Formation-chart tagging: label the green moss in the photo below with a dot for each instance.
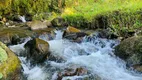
(1, 75)
(15, 31)
(11, 64)
(3, 55)
(130, 50)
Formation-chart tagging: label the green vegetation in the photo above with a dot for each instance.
(120, 15)
(3, 55)
(39, 9)
(90, 8)
(1, 75)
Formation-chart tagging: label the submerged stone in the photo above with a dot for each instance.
(71, 72)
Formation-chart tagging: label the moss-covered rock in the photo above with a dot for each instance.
(13, 35)
(130, 50)
(37, 50)
(3, 55)
(9, 65)
(71, 29)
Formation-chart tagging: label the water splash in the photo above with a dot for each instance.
(22, 18)
(94, 54)
(59, 34)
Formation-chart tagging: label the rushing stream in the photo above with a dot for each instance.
(94, 54)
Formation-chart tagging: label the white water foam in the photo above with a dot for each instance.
(22, 18)
(95, 55)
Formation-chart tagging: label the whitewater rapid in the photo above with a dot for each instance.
(94, 54)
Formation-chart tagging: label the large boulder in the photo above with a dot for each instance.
(10, 68)
(35, 25)
(130, 50)
(37, 50)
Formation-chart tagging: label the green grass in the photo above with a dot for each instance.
(89, 8)
(120, 15)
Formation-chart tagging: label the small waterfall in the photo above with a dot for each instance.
(94, 54)
(22, 18)
(59, 34)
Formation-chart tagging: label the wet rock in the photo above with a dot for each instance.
(72, 30)
(59, 22)
(70, 72)
(46, 34)
(5, 39)
(74, 34)
(138, 67)
(130, 50)
(13, 24)
(35, 25)
(28, 17)
(15, 39)
(90, 32)
(14, 18)
(76, 37)
(37, 50)
(13, 35)
(10, 68)
(106, 33)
